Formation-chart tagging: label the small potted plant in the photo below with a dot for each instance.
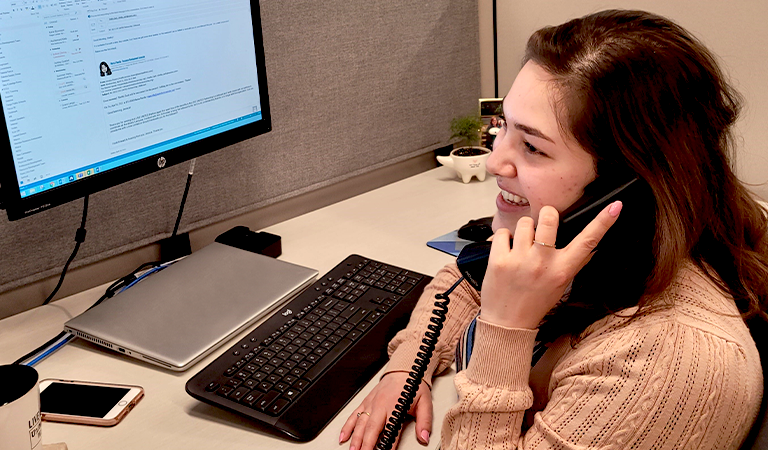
(468, 160)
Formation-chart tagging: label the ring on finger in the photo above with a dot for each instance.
(363, 412)
(544, 244)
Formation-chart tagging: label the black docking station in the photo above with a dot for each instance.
(258, 242)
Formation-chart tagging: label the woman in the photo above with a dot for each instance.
(491, 131)
(104, 69)
(646, 343)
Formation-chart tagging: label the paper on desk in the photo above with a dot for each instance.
(449, 243)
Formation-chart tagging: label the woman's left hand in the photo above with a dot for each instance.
(524, 282)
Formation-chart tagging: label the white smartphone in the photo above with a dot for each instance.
(87, 403)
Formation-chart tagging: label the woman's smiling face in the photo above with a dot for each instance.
(534, 164)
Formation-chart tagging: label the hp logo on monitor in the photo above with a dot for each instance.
(161, 162)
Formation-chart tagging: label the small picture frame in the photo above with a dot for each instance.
(491, 114)
(489, 107)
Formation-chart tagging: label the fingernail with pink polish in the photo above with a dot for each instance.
(615, 209)
(425, 436)
(341, 437)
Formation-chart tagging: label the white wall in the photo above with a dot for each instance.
(734, 30)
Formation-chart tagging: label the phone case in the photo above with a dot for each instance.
(83, 420)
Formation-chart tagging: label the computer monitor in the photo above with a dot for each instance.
(98, 92)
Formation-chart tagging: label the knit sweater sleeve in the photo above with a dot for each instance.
(654, 384)
(464, 306)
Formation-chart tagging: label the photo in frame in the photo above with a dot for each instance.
(491, 113)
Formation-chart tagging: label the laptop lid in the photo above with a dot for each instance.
(182, 313)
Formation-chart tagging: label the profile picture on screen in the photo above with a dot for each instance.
(104, 68)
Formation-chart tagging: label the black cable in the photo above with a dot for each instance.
(412, 383)
(184, 197)
(38, 349)
(495, 54)
(79, 239)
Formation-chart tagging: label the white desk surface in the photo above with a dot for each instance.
(390, 224)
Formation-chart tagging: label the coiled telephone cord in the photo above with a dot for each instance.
(412, 383)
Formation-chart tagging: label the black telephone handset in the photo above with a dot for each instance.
(473, 259)
(473, 262)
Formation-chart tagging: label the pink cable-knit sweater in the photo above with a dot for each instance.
(686, 377)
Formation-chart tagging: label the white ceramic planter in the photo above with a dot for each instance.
(466, 167)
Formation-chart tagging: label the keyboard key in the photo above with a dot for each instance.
(224, 391)
(259, 376)
(290, 364)
(357, 317)
(306, 335)
(266, 401)
(276, 361)
(349, 312)
(275, 378)
(329, 303)
(291, 349)
(354, 334)
(278, 406)
(239, 393)
(291, 394)
(252, 398)
(276, 347)
(306, 364)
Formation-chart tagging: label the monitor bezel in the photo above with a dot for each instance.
(17, 207)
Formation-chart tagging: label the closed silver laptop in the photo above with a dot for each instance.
(179, 315)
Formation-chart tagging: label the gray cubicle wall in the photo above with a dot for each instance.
(354, 87)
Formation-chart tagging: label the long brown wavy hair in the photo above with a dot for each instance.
(646, 98)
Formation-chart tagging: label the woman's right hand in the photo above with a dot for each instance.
(367, 421)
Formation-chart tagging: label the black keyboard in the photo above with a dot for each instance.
(299, 368)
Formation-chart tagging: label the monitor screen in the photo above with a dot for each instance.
(97, 92)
